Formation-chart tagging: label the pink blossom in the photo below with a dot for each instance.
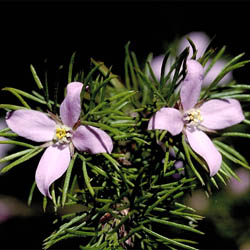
(240, 187)
(201, 42)
(193, 117)
(61, 135)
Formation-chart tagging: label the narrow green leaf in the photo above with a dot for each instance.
(238, 134)
(67, 179)
(122, 94)
(31, 193)
(226, 168)
(177, 225)
(105, 71)
(152, 73)
(11, 107)
(230, 150)
(25, 94)
(101, 86)
(221, 178)
(8, 134)
(129, 95)
(232, 158)
(186, 150)
(168, 193)
(166, 163)
(14, 155)
(231, 65)
(225, 94)
(15, 93)
(102, 126)
(240, 86)
(131, 67)
(193, 48)
(36, 78)
(214, 182)
(215, 59)
(86, 177)
(65, 226)
(170, 241)
(97, 170)
(24, 158)
(18, 143)
(163, 68)
(72, 59)
(151, 86)
(116, 165)
(81, 233)
(44, 203)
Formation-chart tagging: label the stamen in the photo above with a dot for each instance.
(62, 134)
(193, 117)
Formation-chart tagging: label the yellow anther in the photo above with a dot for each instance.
(60, 133)
(193, 117)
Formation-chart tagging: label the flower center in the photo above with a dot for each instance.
(193, 117)
(62, 134)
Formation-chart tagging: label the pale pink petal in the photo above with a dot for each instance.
(156, 65)
(200, 39)
(53, 164)
(169, 119)
(31, 124)
(70, 108)
(221, 113)
(203, 146)
(91, 139)
(191, 86)
(215, 71)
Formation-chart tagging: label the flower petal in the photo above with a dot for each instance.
(156, 65)
(31, 124)
(191, 86)
(92, 139)
(203, 146)
(214, 72)
(200, 40)
(220, 114)
(70, 108)
(169, 119)
(53, 164)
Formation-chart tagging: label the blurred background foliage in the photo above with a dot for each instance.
(46, 34)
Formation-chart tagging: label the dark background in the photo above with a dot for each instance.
(32, 32)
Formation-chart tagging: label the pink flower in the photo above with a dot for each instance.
(60, 135)
(193, 117)
(201, 42)
(240, 187)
